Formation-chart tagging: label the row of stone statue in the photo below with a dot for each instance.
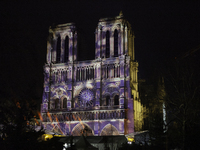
(57, 117)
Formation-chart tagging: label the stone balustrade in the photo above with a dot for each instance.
(83, 116)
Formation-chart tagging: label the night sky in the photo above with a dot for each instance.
(163, 31)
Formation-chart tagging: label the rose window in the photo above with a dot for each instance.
(86, 98)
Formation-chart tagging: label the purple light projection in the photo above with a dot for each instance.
(83, 86)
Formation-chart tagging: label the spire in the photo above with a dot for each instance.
(121, 14)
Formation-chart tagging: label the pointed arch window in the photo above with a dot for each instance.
(107, 44)
(56, 103)
(58, 50)
(116, 100)
(115, 43)
(66, 55)
(107, 100)
(64, 103)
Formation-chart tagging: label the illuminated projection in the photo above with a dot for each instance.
(86, 98)
(94, 95)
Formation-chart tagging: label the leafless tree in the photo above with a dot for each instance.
(182, 102)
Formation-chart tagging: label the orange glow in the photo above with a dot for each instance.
(56, 118)
(37, 121)
(67, 118)
(81, 124)
(18, 105)
(74, 117)
(40, 116)
(49, 116)
(58, 124)
(50, 119)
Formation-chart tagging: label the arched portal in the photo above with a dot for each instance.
(109, 130)
(56, 130)
(82, 128)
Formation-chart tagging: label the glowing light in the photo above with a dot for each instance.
(40, 116)
(58, 124)
(50, 119)
(47, 137)
(50, 136)
(65, 146)
(74, 117)
(49, 116)
(18, 105)
(86, 97)
(92, 80)
(81, 122)
(130, 139)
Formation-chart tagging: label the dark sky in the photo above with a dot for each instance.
(163, 30)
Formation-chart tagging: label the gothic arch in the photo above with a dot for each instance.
(53, 102)
(64, 103)
(58, 50)
(116, 41)
(110, 88)
(57, 106)
(115, 93)
(116, 99)
(115, 27)
(79, 129)
(56, 90)
(63, 35)
(110, 85)
(109, 130)
(106, 99)
(66, 50)
(107, 44)
(79, 88)
(106, 28)
(56, 130)
(64, 96)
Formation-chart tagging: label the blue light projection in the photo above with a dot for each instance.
(86, 84)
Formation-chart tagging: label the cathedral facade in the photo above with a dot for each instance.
(94, 96)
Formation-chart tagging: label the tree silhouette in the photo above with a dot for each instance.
(17, 130)
(183, 103)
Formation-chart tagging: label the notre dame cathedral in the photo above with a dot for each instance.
(96, 96)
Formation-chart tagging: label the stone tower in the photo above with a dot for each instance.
(94, 96)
